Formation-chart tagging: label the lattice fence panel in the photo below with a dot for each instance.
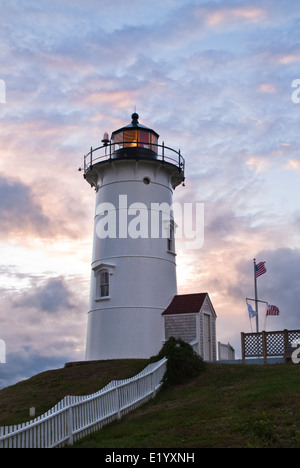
(253, 345)
(275, 343)
(293, 335)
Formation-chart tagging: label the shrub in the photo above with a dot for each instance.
(183, 363)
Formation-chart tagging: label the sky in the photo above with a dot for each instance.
(215, 79)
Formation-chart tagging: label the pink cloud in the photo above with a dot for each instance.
(293, 164)
(289, 58)
(227, 15)
(267, 88)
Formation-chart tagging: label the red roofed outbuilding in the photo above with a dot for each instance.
(192, 318)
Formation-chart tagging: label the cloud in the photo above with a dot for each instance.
(49, 297)
(43, 324)
(289, 58)
(293, 164)
(281, 285)
(24, 364)
(19, 211)
(35, 210)
(230, 14)
(266, 88)
(213, 79)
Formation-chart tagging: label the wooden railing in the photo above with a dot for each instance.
(76, 416)
(268, 344)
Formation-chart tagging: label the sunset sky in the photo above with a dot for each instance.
(213, 79)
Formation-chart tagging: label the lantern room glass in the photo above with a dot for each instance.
(132, 138)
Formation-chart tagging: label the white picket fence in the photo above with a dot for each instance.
(76, 416)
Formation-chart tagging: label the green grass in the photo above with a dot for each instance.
(44, 390)
(226, 406)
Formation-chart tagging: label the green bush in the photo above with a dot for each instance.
(183, 363)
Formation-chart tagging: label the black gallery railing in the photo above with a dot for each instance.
(111, 151)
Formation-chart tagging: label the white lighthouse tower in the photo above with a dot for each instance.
(133, 277)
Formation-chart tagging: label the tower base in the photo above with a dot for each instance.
(124, 333)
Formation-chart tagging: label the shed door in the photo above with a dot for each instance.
(207, 337)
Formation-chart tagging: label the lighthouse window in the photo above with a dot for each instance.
(130, 138)
(154, 140)
(103, 273)
(104, 283)
(144, 139)
(118, 139)
(171, 242)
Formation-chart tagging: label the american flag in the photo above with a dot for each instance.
(260, 269)
(272, 310)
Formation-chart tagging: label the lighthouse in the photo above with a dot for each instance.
(133, 269)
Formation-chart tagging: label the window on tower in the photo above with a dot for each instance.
(103, 274)
(104, 283)
(171, 240)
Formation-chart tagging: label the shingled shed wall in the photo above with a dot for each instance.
(193, 318)
(181, 326)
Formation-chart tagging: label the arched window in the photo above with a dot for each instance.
(104, 283)
(103, 273)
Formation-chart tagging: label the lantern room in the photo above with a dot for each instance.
(133, 142)
(127, 139)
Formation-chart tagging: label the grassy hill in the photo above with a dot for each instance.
(46, 389)
(226, 406)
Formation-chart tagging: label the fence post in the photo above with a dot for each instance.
(153, 384)
(70, 422)
(117, 401)
(243, 346)
(285, 338)
(264, 345)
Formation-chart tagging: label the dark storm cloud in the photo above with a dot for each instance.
(19, 212)
(281, 285)
(26, 363)
(49, 297)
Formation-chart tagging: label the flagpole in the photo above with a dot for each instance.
(255, 290)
